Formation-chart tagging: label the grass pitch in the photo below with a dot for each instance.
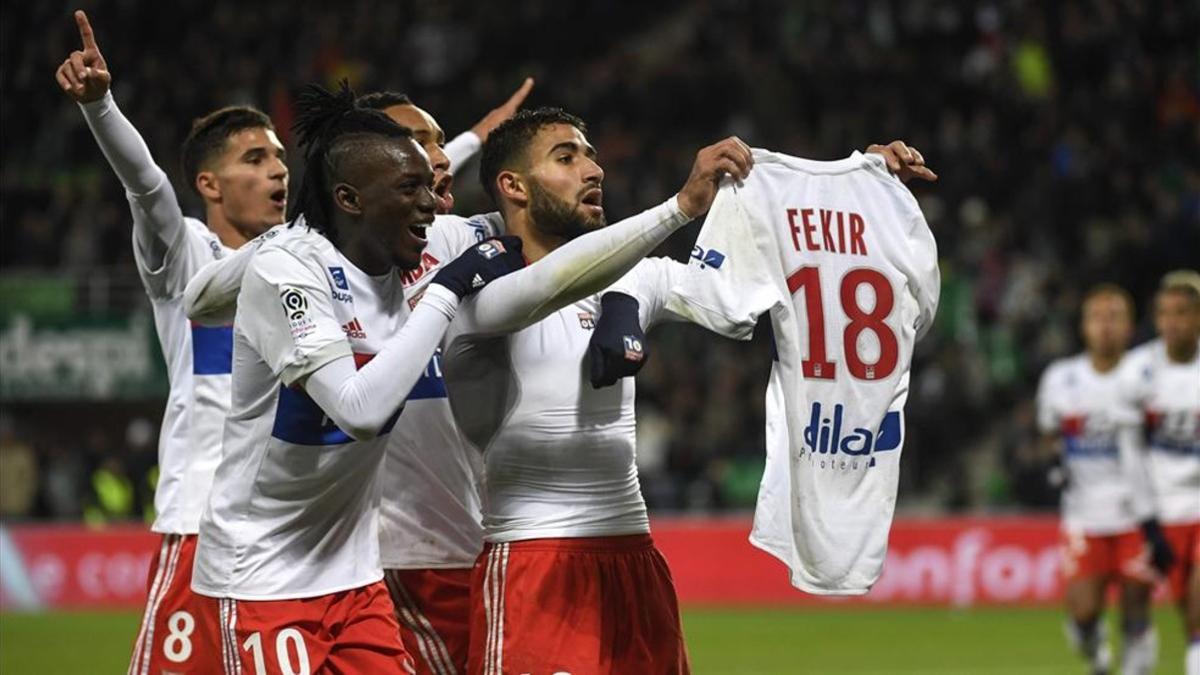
(734, 641)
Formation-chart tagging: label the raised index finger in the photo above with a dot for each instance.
(519, 95)
(85, 30)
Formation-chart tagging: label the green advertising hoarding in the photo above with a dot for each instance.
(88, 358)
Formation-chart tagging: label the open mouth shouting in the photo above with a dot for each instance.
(592, 201)
(419, 229)
(279, 198)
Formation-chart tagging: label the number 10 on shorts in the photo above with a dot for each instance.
(287, 642)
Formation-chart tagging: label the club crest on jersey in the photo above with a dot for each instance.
(490, 249)
(354, 329)
(827, 437)
(295, 307)
(633, 348)
(587, 321)
(710, 258)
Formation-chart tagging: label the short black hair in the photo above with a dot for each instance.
(507, 144)
(330, 127)
(209, 133)
(382, 100)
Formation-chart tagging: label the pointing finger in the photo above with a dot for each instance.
(519, 95)
(85, 30)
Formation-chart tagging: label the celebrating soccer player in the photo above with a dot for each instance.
(234, 161)
(1105, 497)
(1162, 380)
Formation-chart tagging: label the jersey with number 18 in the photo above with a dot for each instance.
(840, 255)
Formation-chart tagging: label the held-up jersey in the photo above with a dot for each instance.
(841, 256)
(198, 357)
(434, 521)
(294, 508)
(1106, 491)
(1167, 395)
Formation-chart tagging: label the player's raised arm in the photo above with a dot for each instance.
(594, 261)
(85, 78)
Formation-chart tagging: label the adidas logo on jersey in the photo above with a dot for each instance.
(354, 329)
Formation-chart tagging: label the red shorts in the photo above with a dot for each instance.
(349, 632)
(582, 606)
(173, 622)
(1121, 556)
(434, 610)
(1185, 544)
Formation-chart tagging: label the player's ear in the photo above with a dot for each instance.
(511, 187)
(208, 186)
(346, 198)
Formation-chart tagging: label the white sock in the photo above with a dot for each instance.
(1193, 657)
(1140, 654)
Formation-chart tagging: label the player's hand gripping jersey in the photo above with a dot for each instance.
(1107, 490)
(841, 256)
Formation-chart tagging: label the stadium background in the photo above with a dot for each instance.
(1065, 134)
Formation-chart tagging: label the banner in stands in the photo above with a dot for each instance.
(952, 561)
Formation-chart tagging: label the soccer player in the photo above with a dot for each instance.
(1162, 380)
(569, 579)
(234, 161)
(1106, 495)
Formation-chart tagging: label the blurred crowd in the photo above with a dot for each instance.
(1066, 136)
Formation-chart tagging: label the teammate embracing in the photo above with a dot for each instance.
(234, 162)
(1106, 496)
(1162, 380)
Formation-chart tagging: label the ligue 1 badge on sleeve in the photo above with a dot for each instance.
(295, 307)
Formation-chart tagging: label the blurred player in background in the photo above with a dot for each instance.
(234, 161)
(1106, 493)
(1162, 380)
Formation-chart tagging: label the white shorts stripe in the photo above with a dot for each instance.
(224, 636)
(489, 613)
(432, 647)
(139, 645)
(503, 587)
(176, 545)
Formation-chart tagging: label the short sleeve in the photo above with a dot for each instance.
(1047, 414)
(184, 256)
(728, 282)
(286, 313)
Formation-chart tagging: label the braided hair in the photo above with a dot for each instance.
(332, 128)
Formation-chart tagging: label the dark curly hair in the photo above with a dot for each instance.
(507, 144)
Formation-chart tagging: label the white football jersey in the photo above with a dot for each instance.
(198, 367)
(559, 455)
(1167, 394)
(1104, 493)
(841, 256)
(430, 514)
(295, 501)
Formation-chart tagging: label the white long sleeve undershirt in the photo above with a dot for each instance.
(157, 218)
(362, 400)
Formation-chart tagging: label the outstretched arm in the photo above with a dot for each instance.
(591, 263)
(157, 218)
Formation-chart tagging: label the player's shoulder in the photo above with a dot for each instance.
(293, 248)
(1139, 363)
(1066, 371)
